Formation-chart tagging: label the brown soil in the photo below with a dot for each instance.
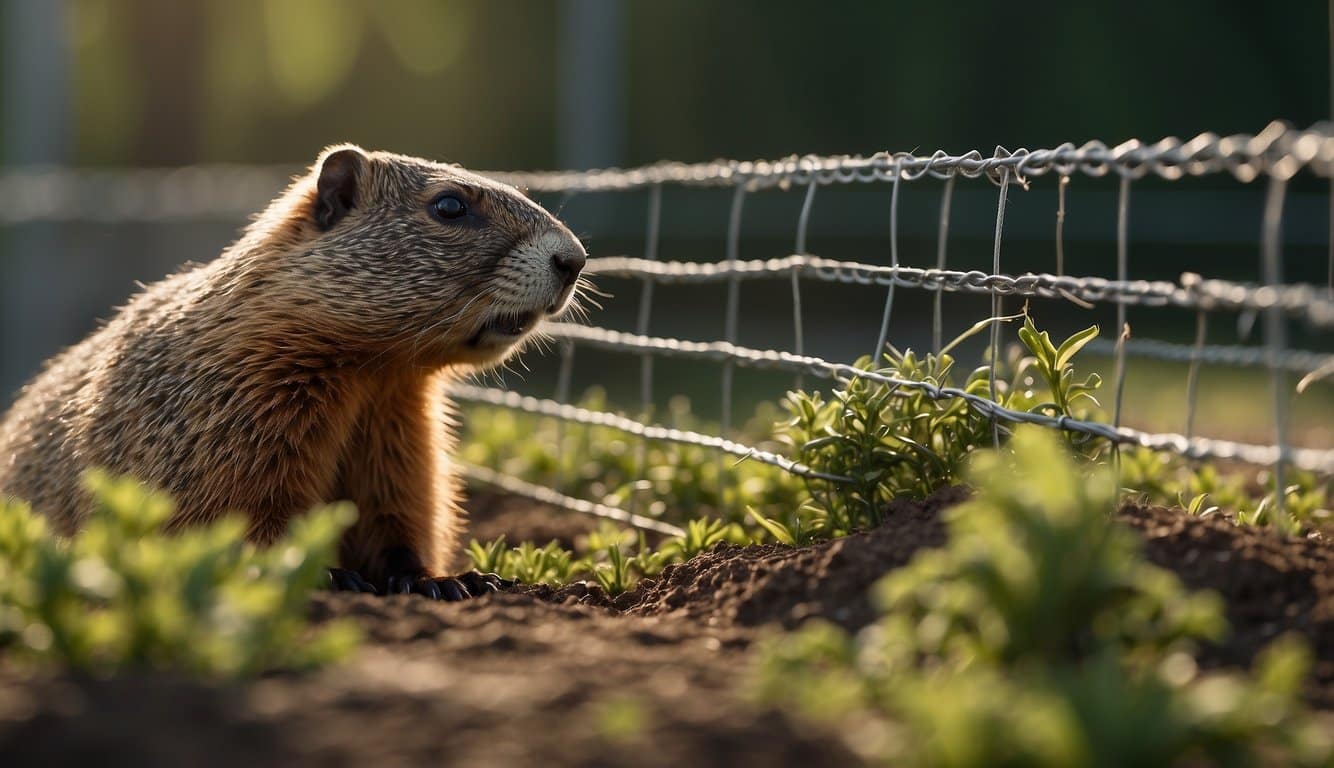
(570, 677)
(1269, 584)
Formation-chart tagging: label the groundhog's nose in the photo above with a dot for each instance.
(567, 265)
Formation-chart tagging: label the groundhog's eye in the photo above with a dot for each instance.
(449, 207)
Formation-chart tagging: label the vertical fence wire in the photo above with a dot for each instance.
(893, 262)
(1275, 332)
(996, 301)
(803, 225)
(730, 329)
(1122, 328)
(641, 327)
(942, 238)
(563, 376)
(1193, 374)
(646, 294)
(1060, 222)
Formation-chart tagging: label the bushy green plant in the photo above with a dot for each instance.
(889, 441)
(122, 593)
(898, 440)
(1039, 636)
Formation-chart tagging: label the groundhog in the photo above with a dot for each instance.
(308, 364)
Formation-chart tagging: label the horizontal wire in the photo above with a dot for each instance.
(1278, 150)
(566, 412)
(1293, 360)
(1305, 301)
(512, 484)
(228, 192)
(1315, 460)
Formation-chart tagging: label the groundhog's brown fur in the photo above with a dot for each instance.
(307, 363)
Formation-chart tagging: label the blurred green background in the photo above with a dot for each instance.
(583, 83)
(155, 82)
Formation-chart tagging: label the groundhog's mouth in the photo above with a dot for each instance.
(505, 326)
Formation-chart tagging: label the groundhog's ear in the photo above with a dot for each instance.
(341, 171)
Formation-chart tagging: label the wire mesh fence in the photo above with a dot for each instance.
(1273, 158)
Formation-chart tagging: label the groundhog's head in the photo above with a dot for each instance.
(405, 259)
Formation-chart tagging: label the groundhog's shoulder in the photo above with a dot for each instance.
(52, 412)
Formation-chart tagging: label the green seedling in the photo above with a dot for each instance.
(614, 575)
(488, 558)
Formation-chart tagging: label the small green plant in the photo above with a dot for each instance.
(490, 557)
(1056, 366)
(701, 534)
(124, 594)
(533, 565)
(614, 576)
(603, 555)
(1245, 497)
(801, 530)
(1039, 636)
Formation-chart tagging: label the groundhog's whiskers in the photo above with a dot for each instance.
(585, 288)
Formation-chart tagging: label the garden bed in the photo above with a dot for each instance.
(571, 677)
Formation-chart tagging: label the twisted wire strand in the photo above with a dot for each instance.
(512, 484)
(1300, 300)
(1278, 150)
(566, 412)
(1292, 360)
(229, 192)
(1315, 460)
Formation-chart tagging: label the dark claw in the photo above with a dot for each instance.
(479, 584)
(452, 590)
(400, 585)
(427, 588)
(405, 577)
(343, 580)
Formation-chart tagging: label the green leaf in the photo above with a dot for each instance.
(1072, 345)
(776, 529)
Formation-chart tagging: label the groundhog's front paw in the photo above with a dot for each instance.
(450, 588)
(343, 580)
(481, 583)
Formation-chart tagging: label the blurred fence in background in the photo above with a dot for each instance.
(1273, 158)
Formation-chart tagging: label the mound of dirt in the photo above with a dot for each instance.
(775, 584)
(1270, 584)
(570, 677)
